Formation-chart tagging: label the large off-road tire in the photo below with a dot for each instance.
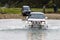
(23, 14)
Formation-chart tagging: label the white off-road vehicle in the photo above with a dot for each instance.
(36, 19)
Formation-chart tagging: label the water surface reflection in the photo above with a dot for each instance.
(37, 35)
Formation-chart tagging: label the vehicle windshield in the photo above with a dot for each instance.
(26, 8)
(37, 16)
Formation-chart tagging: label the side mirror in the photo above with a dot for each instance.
(46, 17)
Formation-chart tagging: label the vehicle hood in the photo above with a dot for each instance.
(36, 19)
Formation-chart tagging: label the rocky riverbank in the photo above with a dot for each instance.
(18, 16)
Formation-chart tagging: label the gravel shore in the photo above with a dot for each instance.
(53, 16)
(18, 16)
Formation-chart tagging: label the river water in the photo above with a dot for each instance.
(14, 29)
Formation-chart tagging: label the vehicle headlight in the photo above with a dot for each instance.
(42, 23)
(30, 23)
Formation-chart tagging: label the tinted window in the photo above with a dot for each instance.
(26, 8)
(37, 16)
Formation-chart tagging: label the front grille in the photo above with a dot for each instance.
(35, 22)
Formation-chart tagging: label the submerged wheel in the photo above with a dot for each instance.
(40, 27)
(31, 26)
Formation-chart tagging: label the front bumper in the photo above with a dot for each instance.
(37, 23)
(26, 13)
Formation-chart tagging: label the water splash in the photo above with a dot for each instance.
(19, 24)
(53, 24)
(12, 24)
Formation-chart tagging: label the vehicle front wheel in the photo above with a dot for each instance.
(24, 14)
(31, 26)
